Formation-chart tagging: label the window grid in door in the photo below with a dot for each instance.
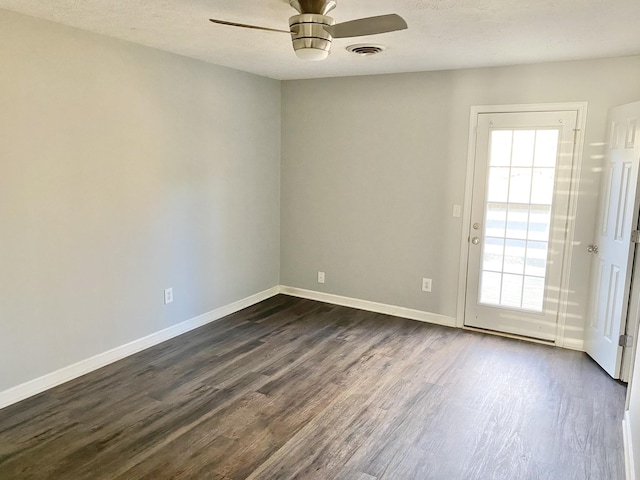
(522, 168)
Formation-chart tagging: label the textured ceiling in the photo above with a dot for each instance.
(443, 34)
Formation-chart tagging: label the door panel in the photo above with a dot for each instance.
(611, 278)
(519, 212)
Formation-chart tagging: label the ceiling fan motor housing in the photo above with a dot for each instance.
(310, 40)
(321, 7)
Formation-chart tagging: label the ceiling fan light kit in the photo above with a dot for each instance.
(312, 31)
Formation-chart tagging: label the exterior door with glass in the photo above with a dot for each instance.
(521, 187)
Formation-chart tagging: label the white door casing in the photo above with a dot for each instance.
(633, 320)
(519, 216)
(612, 260)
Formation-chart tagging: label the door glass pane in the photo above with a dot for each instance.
(536, 263)
(546, 148)
(496, 220)
(520, 185)
(533, 298)
(511, 290)
(501, 148)
(514, 256)
(539, 222)
(491, 286)
(493, 254)
(498, 184)
(542, 188)
(517, 221)
(523, 148)
(518, 218)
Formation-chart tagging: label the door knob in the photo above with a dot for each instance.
(475, 240)
(592, 249)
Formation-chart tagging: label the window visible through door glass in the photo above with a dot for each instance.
(518, 218)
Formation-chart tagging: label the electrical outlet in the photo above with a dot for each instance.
(168, 295)
(426, 284)
(320, 277)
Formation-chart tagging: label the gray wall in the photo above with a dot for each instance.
(372, 166)
(125, 170)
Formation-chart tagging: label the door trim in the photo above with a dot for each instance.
(632, 324)
(581, 109)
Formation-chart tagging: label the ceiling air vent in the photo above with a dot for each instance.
(365, 49)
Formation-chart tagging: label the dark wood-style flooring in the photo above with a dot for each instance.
(292, 388)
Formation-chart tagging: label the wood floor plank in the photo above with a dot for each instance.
(291, 388)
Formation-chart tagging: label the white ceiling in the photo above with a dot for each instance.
(443, 34)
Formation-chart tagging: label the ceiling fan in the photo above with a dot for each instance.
(312, 31)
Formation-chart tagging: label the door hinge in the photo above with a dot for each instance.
(626, 341)
(635, 236)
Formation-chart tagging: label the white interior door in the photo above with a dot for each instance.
(522, 176)
(618, 217)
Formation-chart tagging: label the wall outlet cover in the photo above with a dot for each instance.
(168, 295)
(426, 284)
(320, 277)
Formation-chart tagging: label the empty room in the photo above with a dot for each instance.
(318, 239)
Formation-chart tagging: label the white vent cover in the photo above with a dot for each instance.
(365, 49)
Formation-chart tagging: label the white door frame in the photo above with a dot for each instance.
(581, 109)
(632, 324)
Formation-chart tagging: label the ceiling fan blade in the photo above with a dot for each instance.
(244, 25)
(367, 26)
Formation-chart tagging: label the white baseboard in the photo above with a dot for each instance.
(573, 344)
(50, 380)
(628, 448)
(370, 306)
